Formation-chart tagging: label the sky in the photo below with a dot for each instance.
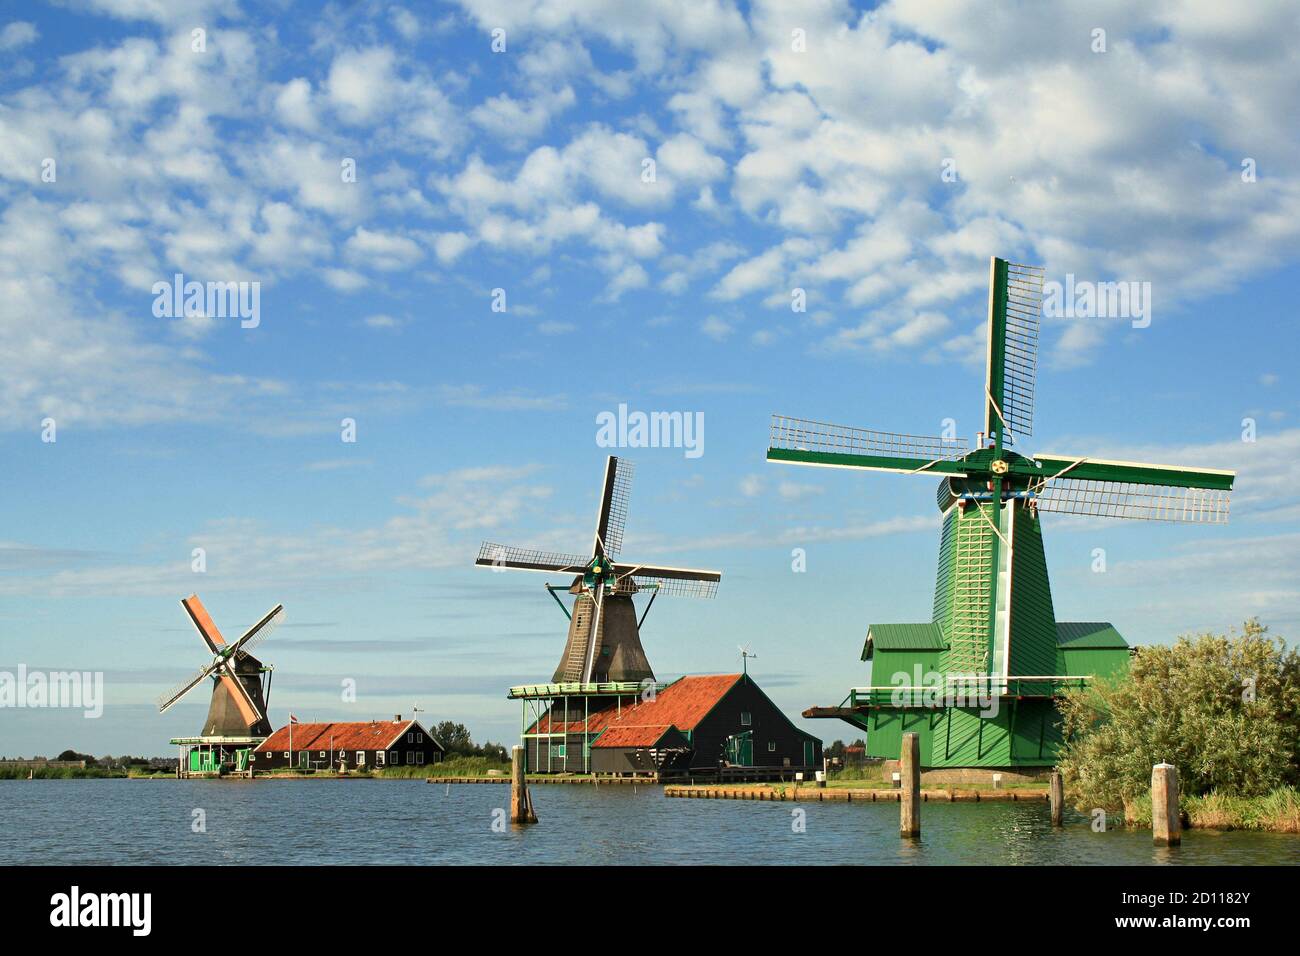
(644, 188)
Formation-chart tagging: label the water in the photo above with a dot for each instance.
(411, 822)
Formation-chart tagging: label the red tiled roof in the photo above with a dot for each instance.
(353, 735)
(596, 722)
(682, 704)
(643, 735)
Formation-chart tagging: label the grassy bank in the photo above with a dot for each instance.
(57, 773)
(1276, 812)
(451, 767)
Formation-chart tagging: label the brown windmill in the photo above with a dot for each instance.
(604, 642)
(238, 708)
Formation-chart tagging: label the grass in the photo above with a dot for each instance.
(1276, 812)
(451, 767)
(57, 773)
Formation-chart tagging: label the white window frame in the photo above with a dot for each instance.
(380, 757)
(746, 719)
(771, 746)
(361, 758)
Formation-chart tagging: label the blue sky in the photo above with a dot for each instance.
(522, 170)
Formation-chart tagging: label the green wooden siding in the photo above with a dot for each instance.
(960, 737)
(943, 582)
(885, 664)
(1092, 662)
(1033, 620)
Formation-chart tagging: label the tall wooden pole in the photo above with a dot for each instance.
(1166, 827)
(909, 824)
(521, 802)
(1057, 794)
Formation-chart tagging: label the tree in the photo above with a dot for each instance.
(456, 738)
(1223, 709)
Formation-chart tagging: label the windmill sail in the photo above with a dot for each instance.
(613, 506)
(1114, 489)
(804, 442)
(1015, 306)
(492, 555)
(604, 642)
(260, 631)
(184, 687)
(679, 582)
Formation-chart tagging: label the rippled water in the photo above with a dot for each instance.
(411, 822)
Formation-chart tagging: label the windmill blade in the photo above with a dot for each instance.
(679, 582)
(260, 631)
(247, 707)
(184, 687)
(613, 506)
(523, 559)
(1121, 489)
(1015, 307)
(803, 442)
(202, 621)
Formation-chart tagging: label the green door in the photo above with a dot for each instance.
(740, 749)
(809, 751)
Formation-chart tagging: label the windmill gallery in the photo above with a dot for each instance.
(978, 683)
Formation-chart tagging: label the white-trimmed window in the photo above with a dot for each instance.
(410, 757)
(286, 755)
(419, 738)
(746, 718)
(361, 758)
(419, 757)
(379, 756)
(771, 746)
(410, 738)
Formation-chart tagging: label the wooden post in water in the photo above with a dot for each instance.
(1166, 827)
(1056, 793)
(909, 765)
(521, 801)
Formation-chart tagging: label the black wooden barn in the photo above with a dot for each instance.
(356, 745)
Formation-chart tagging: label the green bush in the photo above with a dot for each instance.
(1223, 709)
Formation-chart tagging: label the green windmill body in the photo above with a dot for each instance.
(979, 682)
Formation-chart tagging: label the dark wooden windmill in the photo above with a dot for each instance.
(604, 641)
(238, 707)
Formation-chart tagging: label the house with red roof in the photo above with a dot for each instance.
(347, 745)
(701, 724)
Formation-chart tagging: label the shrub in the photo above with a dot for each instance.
(1223, 709)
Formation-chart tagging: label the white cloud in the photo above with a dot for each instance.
(386, 251)
(17, 34)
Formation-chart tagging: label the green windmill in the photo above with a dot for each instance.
(979, 682)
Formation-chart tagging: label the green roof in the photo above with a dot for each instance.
(1094, 634)
(903, 637)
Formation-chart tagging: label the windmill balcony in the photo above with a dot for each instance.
(1018, 688)
(574, 688)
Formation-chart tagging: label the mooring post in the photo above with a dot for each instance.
(1166, 827)
(521, 802)
(1056, 793)
(909, 824)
